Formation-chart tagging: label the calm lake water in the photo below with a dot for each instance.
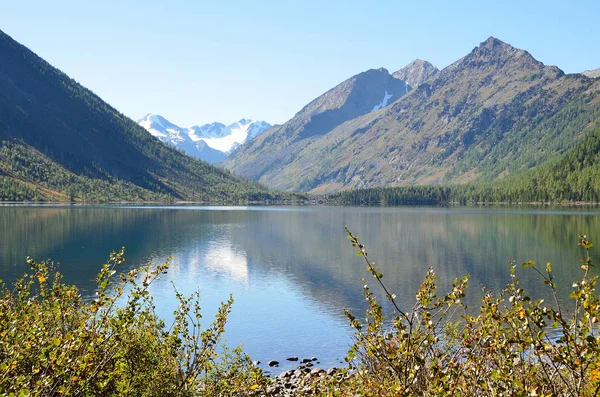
(292, 270)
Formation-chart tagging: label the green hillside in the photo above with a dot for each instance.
(572, 177)
(60, 141)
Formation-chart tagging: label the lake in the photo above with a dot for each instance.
(291, 270)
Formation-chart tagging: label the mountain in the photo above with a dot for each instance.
(209, 142)
(592, 73)
(365, 93)
(494, 112)
(567, 179)
(59, 141)
(416, 72)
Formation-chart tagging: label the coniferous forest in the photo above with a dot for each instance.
(573, 177)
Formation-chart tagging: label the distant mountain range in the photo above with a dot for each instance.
(209, 142)
(496, 111)
(59, 141)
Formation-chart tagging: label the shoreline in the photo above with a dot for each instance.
(316, 201)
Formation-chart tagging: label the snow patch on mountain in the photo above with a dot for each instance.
(384, 101)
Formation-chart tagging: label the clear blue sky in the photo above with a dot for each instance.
(202, 61)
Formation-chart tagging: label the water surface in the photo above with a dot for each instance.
(292, 270)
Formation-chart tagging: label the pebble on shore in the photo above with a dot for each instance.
(301, 379)
(296, 381)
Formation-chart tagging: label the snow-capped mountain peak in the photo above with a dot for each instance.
(155, 124)
(210, 142)
(213, 130)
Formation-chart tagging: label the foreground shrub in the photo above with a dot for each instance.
(52, 342)
(514, 347)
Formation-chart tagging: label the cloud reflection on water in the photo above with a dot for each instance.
(222, 257)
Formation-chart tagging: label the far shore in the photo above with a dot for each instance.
(315, 201)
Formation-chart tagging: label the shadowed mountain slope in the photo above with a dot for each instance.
(60, 141)
(365, 93)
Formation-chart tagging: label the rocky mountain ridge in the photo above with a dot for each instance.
(592, 73)
(416, 72)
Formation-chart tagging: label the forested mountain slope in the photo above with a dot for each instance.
(60, 141)
(571, 178)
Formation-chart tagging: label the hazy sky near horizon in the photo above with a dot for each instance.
(196, 62)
